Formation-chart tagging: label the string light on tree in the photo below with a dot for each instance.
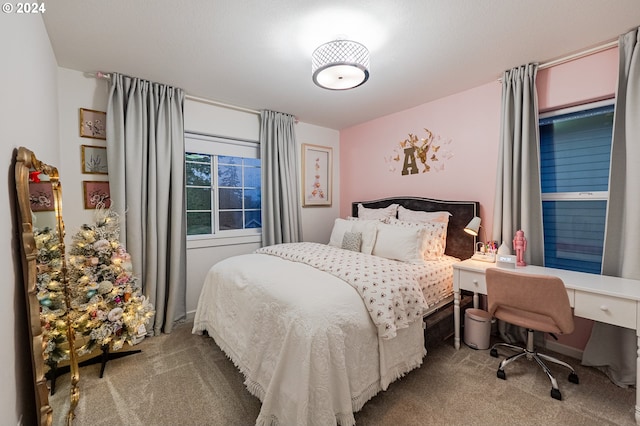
(106, 299)
(51, 295)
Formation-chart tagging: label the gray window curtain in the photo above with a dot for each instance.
(518, 202)
(281, 212)
(612, 348)
(145, 151)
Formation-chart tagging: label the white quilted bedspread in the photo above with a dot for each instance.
(389, 289)
(303, 339)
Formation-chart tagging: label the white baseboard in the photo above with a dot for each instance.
(191, 315)
(563, 349)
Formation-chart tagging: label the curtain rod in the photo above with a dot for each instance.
(107, 76)
(578, 55)
(596, 49)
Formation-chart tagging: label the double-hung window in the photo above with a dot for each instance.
(575, 156)
(223, 187)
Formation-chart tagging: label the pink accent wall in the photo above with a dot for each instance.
(589, 79)
(471, 119)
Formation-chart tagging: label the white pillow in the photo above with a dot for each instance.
(369, 230)
(340, 226)
(378, 214)
(435, 235)
(419, 216)
(366, 227)
(399, 243)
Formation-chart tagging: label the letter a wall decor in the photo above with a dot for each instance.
(420, 155)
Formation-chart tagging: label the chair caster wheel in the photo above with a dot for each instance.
(494, 353)
(501, 375)
(573, 378)
(555, 394)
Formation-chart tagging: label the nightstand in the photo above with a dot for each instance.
(467, 275)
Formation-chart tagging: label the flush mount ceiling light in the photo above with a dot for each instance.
(340, 65)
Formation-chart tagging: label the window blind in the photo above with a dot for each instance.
(575, 151)
(573, 234)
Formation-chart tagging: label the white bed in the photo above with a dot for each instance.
(312, 347)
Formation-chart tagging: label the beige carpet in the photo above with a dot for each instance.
(185, 379)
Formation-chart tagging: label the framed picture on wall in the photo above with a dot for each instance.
(41, 197)
(316, 175)
(93, 124)
(96, 194)
(94, 160)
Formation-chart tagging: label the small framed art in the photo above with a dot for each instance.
(93, 124)
(94, 160)
(96, 194)
(41, 197)
(316, 175)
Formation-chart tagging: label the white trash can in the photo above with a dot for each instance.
(477, 328)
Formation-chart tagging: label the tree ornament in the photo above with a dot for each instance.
(100, 280)
(51, 294)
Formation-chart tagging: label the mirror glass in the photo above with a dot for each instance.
(39, 194)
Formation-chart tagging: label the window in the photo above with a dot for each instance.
(575, 152)
(223, 186)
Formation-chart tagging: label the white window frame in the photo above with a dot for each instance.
(221, 146)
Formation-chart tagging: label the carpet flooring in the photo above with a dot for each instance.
(185, 379)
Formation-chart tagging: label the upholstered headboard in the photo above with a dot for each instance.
(459, 243)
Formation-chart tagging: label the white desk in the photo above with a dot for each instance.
(601, 298)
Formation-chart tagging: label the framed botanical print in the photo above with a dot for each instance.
(316, 175)
(41, 197)
(93, 124)
(94, 160)
(96, 194)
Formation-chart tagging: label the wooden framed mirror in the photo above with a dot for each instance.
(39, 194)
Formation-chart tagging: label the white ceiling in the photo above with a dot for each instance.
(256, 54)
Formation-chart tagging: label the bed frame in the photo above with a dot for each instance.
(459, 243)
(438, 320)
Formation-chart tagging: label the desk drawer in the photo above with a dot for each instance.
(607, 309)
(473, 281)
(572, 297)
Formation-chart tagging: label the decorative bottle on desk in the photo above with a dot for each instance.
(504, 249)
(520, 245)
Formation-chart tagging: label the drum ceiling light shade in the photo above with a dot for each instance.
(340, 65)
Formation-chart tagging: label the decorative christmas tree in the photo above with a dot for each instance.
(107, 304)
(51, 295)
